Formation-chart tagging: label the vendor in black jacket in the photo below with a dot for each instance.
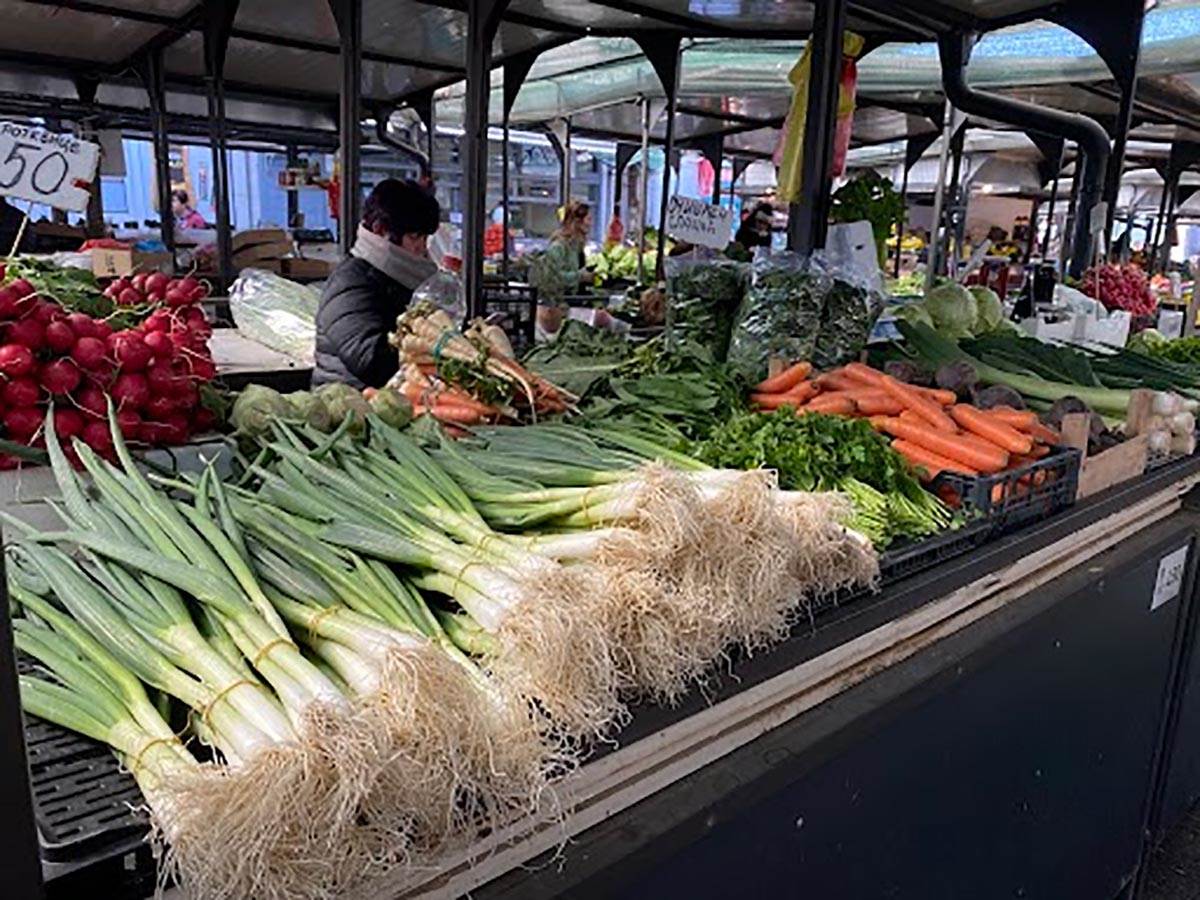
(373, 285)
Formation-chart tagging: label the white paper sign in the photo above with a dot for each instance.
(699, 223)
(1169, 582)
(38, 165)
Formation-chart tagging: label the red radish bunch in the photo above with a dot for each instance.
(156, 289)
(1120, 287)
(152, 372)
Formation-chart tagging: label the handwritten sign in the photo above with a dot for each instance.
(1169, 583)
(39, 165)
(699, 223)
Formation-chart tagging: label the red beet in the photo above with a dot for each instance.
(21, 422)
(28, 332)
(16, 360)
(92, 401)
(130, 391)
(97, 436)
(21, 392)
(67, 422)
(89, 352)
(130, 351)
(60, 376)
(59, 337)
(82, 324)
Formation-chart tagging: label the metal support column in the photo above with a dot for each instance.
(643, 191)
(808, 218)
(154, 80)
(483, 20)
(218, 23)
(348, 15)
(568, 162)
(1066, 245)
(900, 224)
(19, 854)
(949, 227)
(663, 52)
(1050, 214)
(516, 70)
(932, 263)
(955, 51)
(293, 196)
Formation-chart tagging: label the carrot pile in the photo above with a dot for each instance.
(430, 395)
(928, 426)
(476, 365)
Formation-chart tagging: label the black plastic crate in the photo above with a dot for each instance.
(83, 801)
(912, 556)
(514, 308)
(1017, 496)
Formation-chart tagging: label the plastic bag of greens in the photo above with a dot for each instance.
(851, 307)
(277, 313)
(780, 315)
(703, 297)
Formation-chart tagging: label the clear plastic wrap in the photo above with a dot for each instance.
(780, 315)
(803, 308)
(276, 312)
(703, 299)
(444, 289)
(851, 306)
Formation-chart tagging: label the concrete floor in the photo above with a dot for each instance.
(1173, 872)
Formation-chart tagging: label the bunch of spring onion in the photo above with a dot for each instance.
(317, 777)
(546, 639)
(694, 559)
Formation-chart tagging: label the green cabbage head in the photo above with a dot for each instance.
(953, 310)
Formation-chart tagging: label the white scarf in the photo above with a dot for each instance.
(392, 260)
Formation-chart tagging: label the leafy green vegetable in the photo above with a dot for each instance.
(822, 453)
(702, 301)
(872, 197)
(74, 289)
(953, 310)
(989, 309)
(847, 316)
(780, 316)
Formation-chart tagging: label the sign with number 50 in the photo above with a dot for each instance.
(38, 165)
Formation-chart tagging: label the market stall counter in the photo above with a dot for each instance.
(994, 726)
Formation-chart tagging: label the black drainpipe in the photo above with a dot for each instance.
(955, 52)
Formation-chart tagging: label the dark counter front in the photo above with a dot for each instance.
(1015, 758)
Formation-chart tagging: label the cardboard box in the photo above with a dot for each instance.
(253, 236)
(250, 256)
(296, 267)
(110, 263)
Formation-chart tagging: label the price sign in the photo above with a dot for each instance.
(38, 165)
(699, 223)
(1169, 581)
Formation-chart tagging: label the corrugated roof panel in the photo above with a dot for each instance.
(309, 20)
(56, 32)
(582, 14)
(174, 8)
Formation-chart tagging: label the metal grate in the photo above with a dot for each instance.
(83, 802)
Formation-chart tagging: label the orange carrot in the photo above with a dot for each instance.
(942, 396)
(864, 374)
(785, 380)
(448, 413)
(913, 399)
(991, 429)
(909, 416)
(836, 380)
(793, 398)
(830, 404)
(932, 463)
(976, 455)
(1020, 419)
(878, 403)
(1044, 434)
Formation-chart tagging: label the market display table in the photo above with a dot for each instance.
(993, 728)
(241, 361)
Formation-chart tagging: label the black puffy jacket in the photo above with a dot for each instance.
(357, 311)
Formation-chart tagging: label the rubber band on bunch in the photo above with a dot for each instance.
(204, 713)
